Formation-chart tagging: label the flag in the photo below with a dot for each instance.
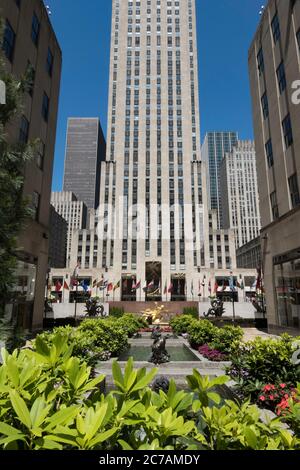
(76, 271)
(242, 285)
(84, 286)
(231, 284)
(110, 287)
(145, 288)
(258, 280)
(199, 287)
(238, 285)
(192, 288)
(223, 287)
(66, 286)
(216, 287)
(166, 288)
(138, 285)
(95, 283)
(209, 287)
(151, 284)
(117, 285)
(58, 286)
(170, 288)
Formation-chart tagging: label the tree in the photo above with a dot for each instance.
(14, 208)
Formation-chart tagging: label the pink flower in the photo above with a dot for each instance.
(262, 398)
(267, 388)
(271, 397)
(282, 385)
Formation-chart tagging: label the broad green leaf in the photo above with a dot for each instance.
(41, 347)
(145, 380)
(117, 374)
(102, 437)
(20, 408)
(38, 412)
(124, 445)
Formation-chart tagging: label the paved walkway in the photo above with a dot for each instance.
(251, 333)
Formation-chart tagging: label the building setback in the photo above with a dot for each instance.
(85, 150)
(240, 201)
(214, 147)
(73, 211)
(29, 40)
(274, 63)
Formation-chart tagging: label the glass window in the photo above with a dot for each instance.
(287, 285)
(45, 107)
(35, 29)
(24, 130)
(265, 105)
(281, 77)
(274, 205)
(9, 39)
(269, 153)
(275, 28)
(260, 61)
(49, 63)
(287, 131)
(294, 190)
(35, 205)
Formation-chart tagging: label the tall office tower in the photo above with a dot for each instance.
(214, 147)
(29, 41)
(240, 201)
(274, 63)
(153, 176)
(85, 150)
(73, 211)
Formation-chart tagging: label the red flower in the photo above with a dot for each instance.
(262, 398)
(271, 397)
(282, 385)
(267, 388)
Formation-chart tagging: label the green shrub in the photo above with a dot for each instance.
(107, 335)
(193, 311)
(181, 323)
(131, 323)
(48, 401)
(116, 312)
(227, 339)
(264, 361)
(201, 332)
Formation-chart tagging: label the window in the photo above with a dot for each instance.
(35, 205)
(269, 153)
(40, 155)
(31, 78)
(45, 107)
(287, 131)
(18, 3)
(9, 39)
(265, 105)
(24, 130)
(275, 28)
(281, 77)
(294, 190)
(49, 64)
(260, 62)
(35, 29)
(298, 38)
(274, 205)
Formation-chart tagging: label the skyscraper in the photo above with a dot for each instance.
(274, 63)
(153, 187)
(240, 201)
(214, 147)
(85, 150)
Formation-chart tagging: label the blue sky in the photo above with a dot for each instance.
(225, 31)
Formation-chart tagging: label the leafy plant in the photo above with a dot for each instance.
(116, 312)
(227, 339)
(192, 311)
(212, 354)
(181, 323)
(201, 332)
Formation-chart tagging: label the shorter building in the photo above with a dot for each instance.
(85, 150)
(73, 211)
(249, 255)
(221, 245)
(57, 240)
(239, 189)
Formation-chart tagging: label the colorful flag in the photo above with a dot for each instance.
(84, 286)
(223, 287)
(138, 285)
(216, 287)
(170, 288)
(231, 284)
(110, 287)
(145, 288)
(192, 288)
(66, 287)
(209, 286)
(151, 284)
(58, 286)
(166, 288)
(258, 280)
(242, 285)
(117, 286)
(95, 282)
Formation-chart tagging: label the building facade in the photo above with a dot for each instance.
(222, 254)
(214, 147)
(249, 255)
(240, 201)
(73, 211)
(57, 240)
(274, 61)
(153, 215)
(85, 150)
(29, 41)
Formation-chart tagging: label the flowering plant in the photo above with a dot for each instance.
(276, 397)
(212, 354)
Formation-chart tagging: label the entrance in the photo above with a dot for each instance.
(128, 288)
(178, 287)
(153, 279)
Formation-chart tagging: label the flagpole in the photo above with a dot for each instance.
(75, 313)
